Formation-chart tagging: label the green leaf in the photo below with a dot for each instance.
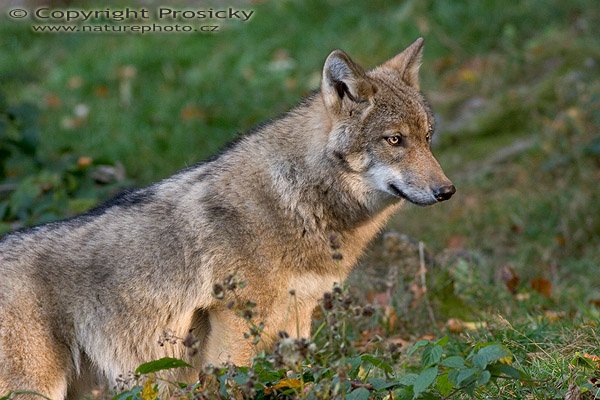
(453, 362)
(161, 364)
(484, 378)
(417, 346)
(359, 394)
(380, 384)
(506, 370)
(442, 341)
(489, 354)
(403, 394)
(443, 385)
(355, 363)
(581, 361)
(424, 380)
(407, 380)
(464, 375)
(377, 362)
(432, 355)
(130, 394)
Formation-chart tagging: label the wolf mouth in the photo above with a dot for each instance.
(399, 193)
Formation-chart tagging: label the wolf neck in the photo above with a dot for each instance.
(312, 184)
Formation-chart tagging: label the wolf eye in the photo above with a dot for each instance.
(395, 140)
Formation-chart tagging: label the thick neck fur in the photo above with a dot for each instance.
(310, 183)
(301, 169)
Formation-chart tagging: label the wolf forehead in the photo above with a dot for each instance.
(398, 106)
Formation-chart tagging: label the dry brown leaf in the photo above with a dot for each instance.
(380, 298)
(542, 286)
(456, 242)
(288, 383)
(510, 278)
(53, 101)
(595, 302)
(456, 325)
(191, 112)
(101, 91)
(554, 316)
(84, 161)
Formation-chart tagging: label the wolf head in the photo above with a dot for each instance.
(381, 127)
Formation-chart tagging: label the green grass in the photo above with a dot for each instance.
(532, 68)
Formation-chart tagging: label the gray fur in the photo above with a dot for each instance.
(84, 300)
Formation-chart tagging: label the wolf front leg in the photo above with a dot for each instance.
(32, 360)
(226, 341)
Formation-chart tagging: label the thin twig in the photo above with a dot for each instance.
(422, 273)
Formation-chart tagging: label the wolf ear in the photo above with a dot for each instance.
(344, 79)
(408, 62)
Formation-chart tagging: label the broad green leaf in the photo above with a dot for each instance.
(403, 394)
(359, 394)
(489, 354)
(432, 355)
(377, 362)
(424, 380)
(506, 370)
(407, 380)
(484, 378)
(417, 346)
(464, 375)
(442, 341)
(159, 365)
(380, 384)
(443, 385)
(453, 362)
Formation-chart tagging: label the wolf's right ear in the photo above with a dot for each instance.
(344, 80)
(407, 63)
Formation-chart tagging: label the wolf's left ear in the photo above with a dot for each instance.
(344, 80)
(407, 63)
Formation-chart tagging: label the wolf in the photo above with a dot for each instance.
(85, 300)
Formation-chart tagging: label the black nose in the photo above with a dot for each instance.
(444, 192)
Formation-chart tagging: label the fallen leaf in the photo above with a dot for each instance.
(380, 298)
(523, 296)
(53, 101)
(391, 317)
(560, 240)
(288, 383)
(192, 112)
(554, 316)
(101, 91)
(456, 242)
(510, 278)
(84, 161)
(516, 229)
(592, 357)
(542, 286)
(75, 82)
(418, 292)
(456, 325)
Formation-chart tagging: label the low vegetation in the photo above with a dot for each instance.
(504, 295)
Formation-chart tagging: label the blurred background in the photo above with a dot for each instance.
(515, 86)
